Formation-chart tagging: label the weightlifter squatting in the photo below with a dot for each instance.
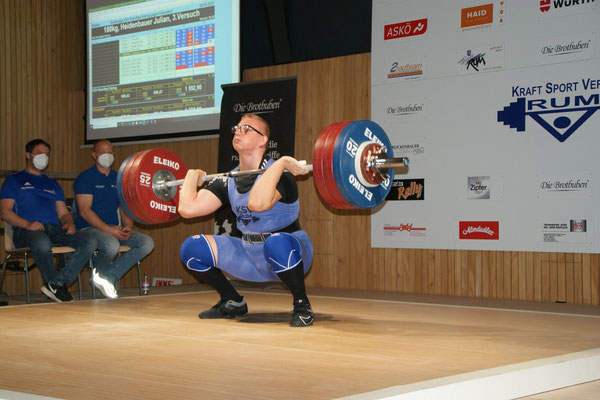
(266, 206)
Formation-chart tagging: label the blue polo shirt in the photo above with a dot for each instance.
(104, 189)
(35, 196)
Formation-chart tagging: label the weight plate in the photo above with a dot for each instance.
(323, 168)
(344, 165)
(121, 189)
(142, 173)
(130, 182)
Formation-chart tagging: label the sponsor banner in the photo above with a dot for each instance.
(558, 49)
(403, 110)
(479, 230)
(407, 189)
(404, 70)
(413, 150)
(414, 28)
(562, 8)
(559, 107)
(165, 281)
(478, 187)
(404, 231)
(479, 59)
(576, 185)
(482, 16)
(565, 230)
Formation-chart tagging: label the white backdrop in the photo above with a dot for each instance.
(495, 105)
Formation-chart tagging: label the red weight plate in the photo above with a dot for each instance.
(327, 164)
(121, 188)
(133, 180)
(130, 181)
(319, 169)
(144, 170)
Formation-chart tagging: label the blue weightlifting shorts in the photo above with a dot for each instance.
(255, 262)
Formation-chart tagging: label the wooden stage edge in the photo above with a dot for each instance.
(364, 345)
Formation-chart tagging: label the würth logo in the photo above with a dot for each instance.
(545, 5)
(405, 29)
(479, 230)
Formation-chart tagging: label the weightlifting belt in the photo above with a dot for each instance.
(261, 237)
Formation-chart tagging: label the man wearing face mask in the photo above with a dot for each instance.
(97, 219)
(34, 205)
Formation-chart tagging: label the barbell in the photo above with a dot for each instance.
(353, 167)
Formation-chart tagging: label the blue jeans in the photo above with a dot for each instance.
(108, 248)
(41, 243)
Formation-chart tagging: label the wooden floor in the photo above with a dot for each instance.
(155, 347)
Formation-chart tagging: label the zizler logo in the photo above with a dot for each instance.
(405, 29)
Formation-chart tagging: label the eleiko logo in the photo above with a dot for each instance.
(479, 230)
(405, 29)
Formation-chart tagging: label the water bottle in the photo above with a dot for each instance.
(146, 283)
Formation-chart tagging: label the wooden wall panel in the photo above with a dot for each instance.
(42, 78)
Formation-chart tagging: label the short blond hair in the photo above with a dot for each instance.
(261, 119)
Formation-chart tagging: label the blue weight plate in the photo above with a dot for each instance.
(120, 190)
(344, 166)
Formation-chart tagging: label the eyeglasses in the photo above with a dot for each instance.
(244, 129)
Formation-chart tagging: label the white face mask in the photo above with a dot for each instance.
(106, 160)
(40, 161)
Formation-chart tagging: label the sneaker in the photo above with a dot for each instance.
(302, 315)
(54, 292)
(106, 287)
(226, 309)
(65, 293)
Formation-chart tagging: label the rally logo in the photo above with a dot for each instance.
(560, 116)
(407, 189)
(479, 230)
(416, 27)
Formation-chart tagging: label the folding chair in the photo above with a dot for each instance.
(23, 252)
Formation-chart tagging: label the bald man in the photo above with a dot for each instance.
(97, 218)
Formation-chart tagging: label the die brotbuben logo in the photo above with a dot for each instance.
(565, 107)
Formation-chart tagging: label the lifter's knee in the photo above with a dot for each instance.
(282, 252)
(197, 253)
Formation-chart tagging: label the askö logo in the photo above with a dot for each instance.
(405, 29)
(554, 114)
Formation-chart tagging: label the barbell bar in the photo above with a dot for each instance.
(353, 167)
(377, 164)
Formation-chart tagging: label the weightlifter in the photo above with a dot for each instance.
(266, 206)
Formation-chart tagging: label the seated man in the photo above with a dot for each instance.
(97, 219)
(34, 205)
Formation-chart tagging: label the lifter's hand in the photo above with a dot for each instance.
(293, 166)
(35, 226)
(195, 175)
